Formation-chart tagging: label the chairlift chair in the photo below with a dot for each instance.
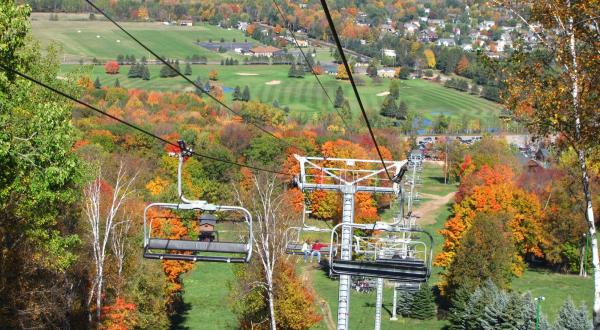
(231, 250)
(415, 267)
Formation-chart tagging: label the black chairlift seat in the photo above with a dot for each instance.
(390, 269)
(408, 286)
(195, 247)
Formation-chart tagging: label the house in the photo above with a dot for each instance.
(486, 25)
(446, 42)
(267, 51)
(411, 28)
(388, 52)
(437, 22)
(427, 36)
(243, 26)
(330, 69)
(186, 22)
(386, 73)
(467, 47)
(206, 227)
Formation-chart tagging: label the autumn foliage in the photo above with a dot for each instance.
(111, 67)
(118, 316)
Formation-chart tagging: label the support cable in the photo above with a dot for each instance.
(170, 66)
(349, 72)
(281, 13)
(133, 126)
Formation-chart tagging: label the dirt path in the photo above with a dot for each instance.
(325, 310)
(427, 211)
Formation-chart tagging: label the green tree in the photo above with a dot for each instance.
(339, 98)
(38, 181)
(486, 252)
(117, 83)
(188, 69)
(97, 83)
(402, 112)
(395, 89)
(573, 318)
(404, 303)
(237, 94)
(423, 304)
(265, 150)
(246, 94)
(145, 72)
(388, 107)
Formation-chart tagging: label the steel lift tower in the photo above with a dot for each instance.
(348, 176)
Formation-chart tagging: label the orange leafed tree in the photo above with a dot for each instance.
(495, 193)
(111, 67)
(462, 65)
(118, 316)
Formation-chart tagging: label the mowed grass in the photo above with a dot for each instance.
(207, 298)
(84, 39)
(304, 95)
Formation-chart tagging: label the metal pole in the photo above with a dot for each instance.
(346, 254)
(395, 303)
(378, 303)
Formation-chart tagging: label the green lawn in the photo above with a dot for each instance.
(433, 181)
(84, 39)
(305, 95)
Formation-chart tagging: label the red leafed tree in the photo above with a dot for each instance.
(111, 67)
(118, 316)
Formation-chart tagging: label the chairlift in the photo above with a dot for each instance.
(400, 256)
(294, 242)
(204, 245)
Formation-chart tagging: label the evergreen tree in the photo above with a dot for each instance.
(475, 310)
(292, 71)
(493, 312)
(117, 83)
(402, 112)
(177, 69)
(222, 62)
(164, 71)
(423, 305)
(459, 303)
(97, 83)
(237, 94)
(145, 72)
(207, 87)
(388, 107)
(133, 71)
(404, 303)
(188, 69)
(572, 318)
(395, 89)
(246, 94)
(275, 103)
(144, 60)
(339, 98)
(474, 89)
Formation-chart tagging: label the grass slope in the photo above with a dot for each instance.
(304, 95)
(78, 37)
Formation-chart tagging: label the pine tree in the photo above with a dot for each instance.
(404, 303)
(458, 303)
(475, 310)
(222, 62)
(423, 305)
(513, 316)
(133, 71)
(207, 87)
(292, 71)
(164, 71)
(145, 72)
(246, 94)
(97, 83)
(117, 83)
(402, 111)
(395, 89)
(492, 313)
(275, 104)
(174, 72)
(572, 318)
(388, 107)
(237, 94)
(188, 69)
(339, 98)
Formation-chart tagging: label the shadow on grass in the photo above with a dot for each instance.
(180, 316)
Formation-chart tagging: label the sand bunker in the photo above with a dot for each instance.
(246, 74)
(273, 82)
(383, 93)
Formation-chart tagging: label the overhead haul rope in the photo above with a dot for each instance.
(133, 126)
(349, 72)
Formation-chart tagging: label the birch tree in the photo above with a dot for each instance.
(266, 200)
(102, 216)
(552, 82)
